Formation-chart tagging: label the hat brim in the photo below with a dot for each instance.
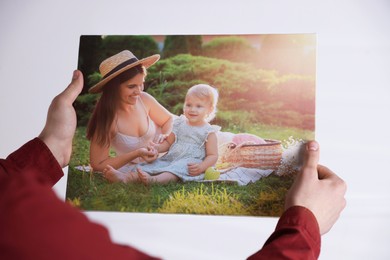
(146, 62)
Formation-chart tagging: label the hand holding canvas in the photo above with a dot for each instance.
(61, 121)
(318, 189)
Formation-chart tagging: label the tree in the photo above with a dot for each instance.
(182, 44)
(89, 56)
(229, 48)
(141, 46)
(194, 44)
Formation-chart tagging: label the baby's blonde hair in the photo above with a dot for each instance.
(204, 91)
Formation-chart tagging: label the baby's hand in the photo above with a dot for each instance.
(194, 169)
(161, 138)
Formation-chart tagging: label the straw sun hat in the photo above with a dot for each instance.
(115, 65)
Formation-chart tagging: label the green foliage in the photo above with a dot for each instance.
(180, 44)
(259, 96)
(141, 46)
(84, 106)
(234, 121)
(94, 78)
(85, 103)
(289, 88)
(194, 44)
(248, 96)
(230, 48)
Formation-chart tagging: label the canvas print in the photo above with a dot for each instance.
(191, 124)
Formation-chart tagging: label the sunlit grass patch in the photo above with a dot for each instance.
(204, 200)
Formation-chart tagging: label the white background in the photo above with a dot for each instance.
(39, 50)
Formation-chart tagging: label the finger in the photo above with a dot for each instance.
(161, 139)
(192, 167)
(340, 185)
(311, 156)
(74, 88)
(310, 161)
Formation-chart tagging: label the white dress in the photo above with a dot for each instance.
(189, 147)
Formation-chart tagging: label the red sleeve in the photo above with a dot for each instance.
(35, 224)
(33, 156)
(297, 236)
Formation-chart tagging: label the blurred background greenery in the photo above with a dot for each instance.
(262, 79)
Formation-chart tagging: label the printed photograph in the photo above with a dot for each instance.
(191, 124)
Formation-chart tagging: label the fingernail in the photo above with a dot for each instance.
(75, 75)
(312, 146)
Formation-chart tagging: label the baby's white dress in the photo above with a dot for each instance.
(189, 147)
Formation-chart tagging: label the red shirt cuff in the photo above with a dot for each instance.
(302, 217)
(36, 156)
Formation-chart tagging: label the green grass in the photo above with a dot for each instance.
(93, 192)
(277, 132)
(90, 191)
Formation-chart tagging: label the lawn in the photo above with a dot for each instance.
(90, 191)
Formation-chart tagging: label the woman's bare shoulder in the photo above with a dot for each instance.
(147, 96)
(148, 99)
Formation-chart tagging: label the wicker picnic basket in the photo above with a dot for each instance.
(262, 156)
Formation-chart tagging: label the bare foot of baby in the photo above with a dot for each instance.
(114, 175)
(144, 177)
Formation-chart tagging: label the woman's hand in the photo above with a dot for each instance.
(149, 154)
(194, 169)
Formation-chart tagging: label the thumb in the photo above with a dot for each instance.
(74, 88)
(311, 158)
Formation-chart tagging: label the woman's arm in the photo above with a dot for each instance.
(211, 157)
